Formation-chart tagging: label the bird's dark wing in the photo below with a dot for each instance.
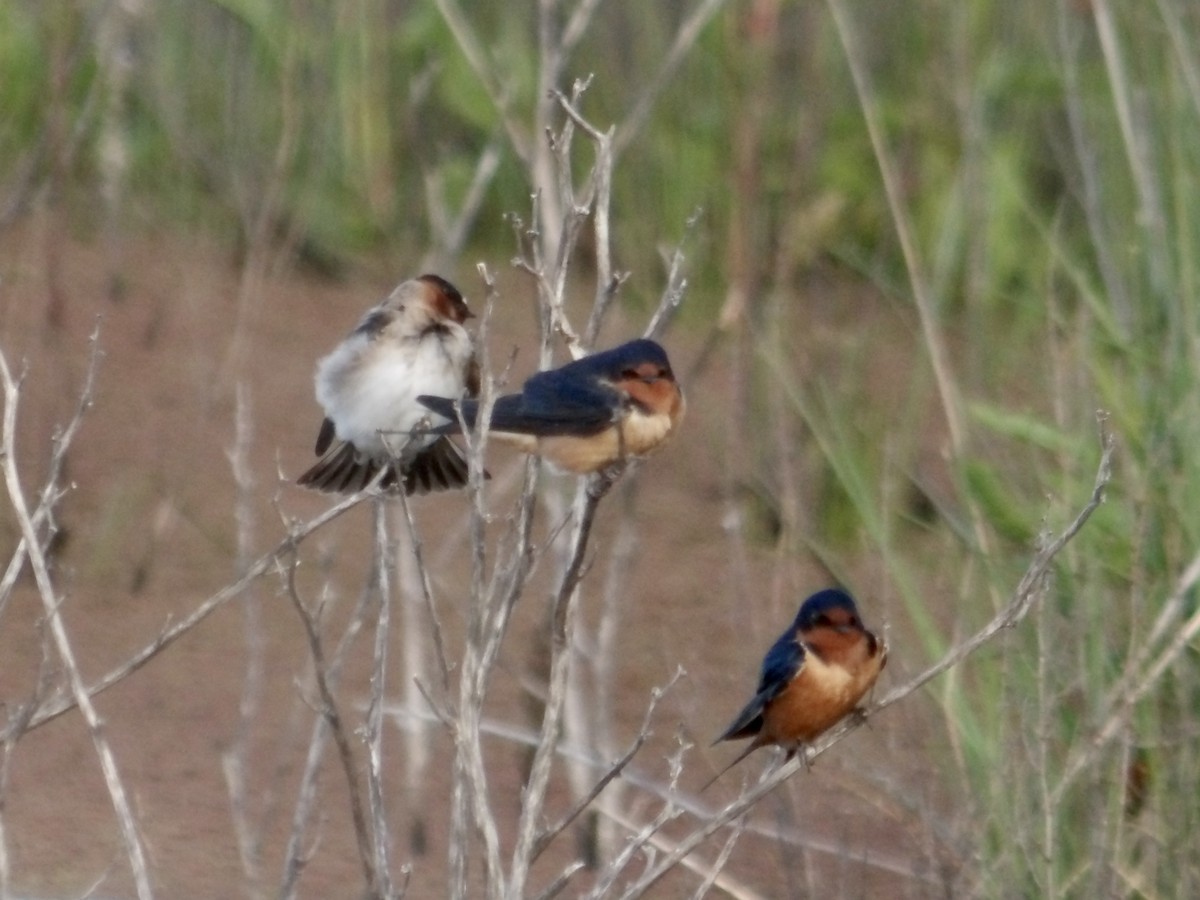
(549, 404)
(325, 436)
(559, 402)
(374, 322)
(782, 663)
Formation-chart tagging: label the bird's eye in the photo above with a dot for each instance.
(630, 374)
(822, 619)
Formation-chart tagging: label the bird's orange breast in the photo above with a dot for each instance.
(637, 434)
(820, 696)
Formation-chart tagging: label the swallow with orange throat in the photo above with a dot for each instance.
(812, 677)
(412, 343)
(586, 415)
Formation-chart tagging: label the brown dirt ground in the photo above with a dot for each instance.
(150, 531)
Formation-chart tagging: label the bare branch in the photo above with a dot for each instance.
(677, 284)
(296, 855)
(711, 873)
(1027, 588)
(543, 840)
(1138, 679)
(51, 603)
(233, 760)
(384, 560)
(470, 792)
(435, 621)
(1006, 618)
(328, 710)
(18, 719)
(714, 876)
(559, 884)
(645, 835)
(653, 787)
(52, 492)
(588, 499)
(58, 705)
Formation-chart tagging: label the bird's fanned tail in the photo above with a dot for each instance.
(342, 470)
(439, 467)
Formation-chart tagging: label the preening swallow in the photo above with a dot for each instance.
(812, 677)
(588, 414)
(412, 343)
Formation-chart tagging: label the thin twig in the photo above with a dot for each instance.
(715, 876)
(470, 791)
(52, 491)
(384, 560)
(1025, 593)
(677, 283)
(328, 710)
(18, 719)
(587, 501)
(416, 594)
(523, 736)
(545, 837)
(670, 810)
(1004, 619)
(559, 884)
(1135, 683)
(435, 620)
(52, 603)
(58, 705)
(295, 856)
(234, 759)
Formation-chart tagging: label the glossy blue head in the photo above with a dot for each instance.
(632, 359)
(830, 608)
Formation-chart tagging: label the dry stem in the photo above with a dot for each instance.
(52, 604)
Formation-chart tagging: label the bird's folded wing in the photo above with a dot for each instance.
(548, 405)
(782, 663)
(552, 404)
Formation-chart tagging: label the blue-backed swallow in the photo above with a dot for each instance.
(412, 343)
(588, 414)
(812, 677)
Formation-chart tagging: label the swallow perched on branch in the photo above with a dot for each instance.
(586, 415)
(412, 343)
(812, 677)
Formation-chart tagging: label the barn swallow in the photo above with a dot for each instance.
(412, 343)
(812, 677)
(588, 414)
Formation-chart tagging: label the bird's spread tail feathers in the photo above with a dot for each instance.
(342, 470)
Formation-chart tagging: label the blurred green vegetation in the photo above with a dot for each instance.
(361, 103)
(1049, 156)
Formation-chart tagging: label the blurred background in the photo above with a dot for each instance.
(925, 243)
